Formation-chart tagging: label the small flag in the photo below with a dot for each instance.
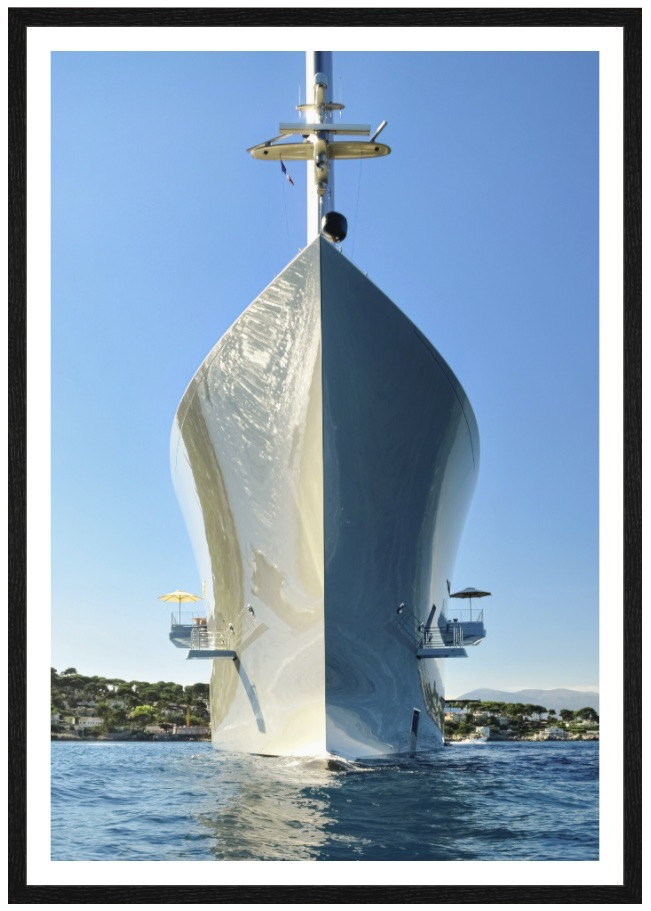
(282, 165)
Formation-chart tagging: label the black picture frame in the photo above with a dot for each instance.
(630, 20)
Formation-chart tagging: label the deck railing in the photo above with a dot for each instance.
(188, 618)
(464, 615)
(434, 638)
(210, 639)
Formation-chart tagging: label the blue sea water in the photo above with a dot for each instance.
(184, 801)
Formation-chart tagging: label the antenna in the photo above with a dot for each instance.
(319, 148)
(378, 131)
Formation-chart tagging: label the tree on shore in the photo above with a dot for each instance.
(494, 708)
(587, 713)
(532, 710)
(144, 714)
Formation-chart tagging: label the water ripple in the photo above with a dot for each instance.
(162, 801)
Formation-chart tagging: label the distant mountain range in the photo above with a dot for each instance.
(552, 699)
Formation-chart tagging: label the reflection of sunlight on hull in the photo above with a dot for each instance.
(324, 456)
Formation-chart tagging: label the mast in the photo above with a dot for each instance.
(317, 133)
(318, 80)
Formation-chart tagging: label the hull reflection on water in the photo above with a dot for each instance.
(185, 802)
(324, 456)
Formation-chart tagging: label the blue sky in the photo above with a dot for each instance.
(482, 225)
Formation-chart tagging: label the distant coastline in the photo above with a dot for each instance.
(592, 736)
(557, 698)
(496, 720)
(179, 738)
(87, 709)
(119, 737)
(99, 708)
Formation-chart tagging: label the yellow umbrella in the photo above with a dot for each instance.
(180, 596)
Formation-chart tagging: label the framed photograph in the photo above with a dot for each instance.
(351, 430)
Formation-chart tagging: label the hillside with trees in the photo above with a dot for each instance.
(125, 709)
(126, 706)
(559, 698)
(497, 720)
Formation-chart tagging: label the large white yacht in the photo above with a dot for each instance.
(324, 456)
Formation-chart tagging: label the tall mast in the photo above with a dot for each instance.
(318, 83)
(317, 146)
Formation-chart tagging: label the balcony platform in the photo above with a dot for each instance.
(451, 651)
(211, 653)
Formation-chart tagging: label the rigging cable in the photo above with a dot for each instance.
(289, 243)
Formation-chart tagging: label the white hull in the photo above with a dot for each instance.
(324, 456)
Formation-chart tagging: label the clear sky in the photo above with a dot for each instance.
(482, 226)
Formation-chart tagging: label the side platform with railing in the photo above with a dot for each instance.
(446, 639)
(210, 643)
(192, 632)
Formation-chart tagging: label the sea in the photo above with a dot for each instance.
(124, 801)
